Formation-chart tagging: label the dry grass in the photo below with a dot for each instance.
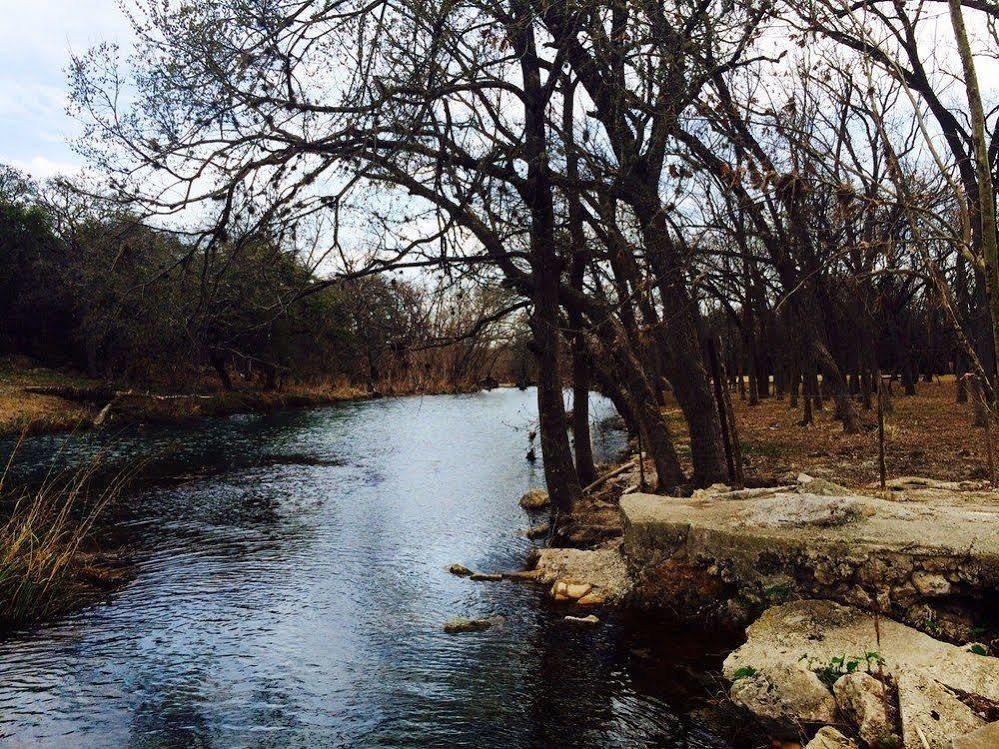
(928, 434)
(44, 568)
(24, 412)
(21, 411)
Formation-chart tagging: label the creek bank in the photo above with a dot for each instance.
(98, 405)
(928, 556)
(811, 555)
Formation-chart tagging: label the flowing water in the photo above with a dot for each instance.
(291, 592)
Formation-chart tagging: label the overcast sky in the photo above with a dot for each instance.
(36, 37)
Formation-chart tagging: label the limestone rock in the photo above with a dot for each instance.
(920, 482)
(986, 737)
(785, 697)
(563, 591)
(931, 714)
(930, 584)
(861, 698)
(539, 531)
(486, 576)
(535, 499)
(460, 570)
(819, 631)
(577, 590)
(603, 569)
(591, 599)
(459, 625)
(591, 619)
(796, 510)
(822, 487)
(828, 737)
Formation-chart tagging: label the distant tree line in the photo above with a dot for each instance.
(86, 285)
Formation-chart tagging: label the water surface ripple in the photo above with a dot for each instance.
(282, 604)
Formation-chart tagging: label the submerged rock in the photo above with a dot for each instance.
(535, 499)
(539, 531)
(459, 625)
(460, 570)
(491, 577)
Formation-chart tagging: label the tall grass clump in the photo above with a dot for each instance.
(43, 532)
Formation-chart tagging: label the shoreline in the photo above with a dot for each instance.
(806, 561)
(39, 400)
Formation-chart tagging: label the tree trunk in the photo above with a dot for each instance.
(560, 473)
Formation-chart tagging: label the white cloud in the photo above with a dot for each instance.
(42, 168)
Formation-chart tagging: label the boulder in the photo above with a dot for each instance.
(459, 625)
(534, 500)
(819, 631)
(986, 737)
(460, 570)
(863, 700)
(931, 714)
(785, 697)
(539, 531)
(828, 737)
(604, 570)
(486, 576)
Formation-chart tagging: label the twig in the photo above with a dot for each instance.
(608, 476)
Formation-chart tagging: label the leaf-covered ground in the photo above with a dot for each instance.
(928, 434)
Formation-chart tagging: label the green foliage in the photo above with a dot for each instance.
(841, 665)
(92, 287)
(978, 649)
(777, 594)
(744, 672)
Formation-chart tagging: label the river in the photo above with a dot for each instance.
(292, 587)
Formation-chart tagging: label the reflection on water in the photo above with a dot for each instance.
(299, 602)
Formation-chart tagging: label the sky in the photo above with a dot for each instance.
(36, 38)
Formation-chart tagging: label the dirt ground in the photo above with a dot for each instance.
(929, 434)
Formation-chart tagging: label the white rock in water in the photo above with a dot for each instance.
(535, 499)
(591, 619)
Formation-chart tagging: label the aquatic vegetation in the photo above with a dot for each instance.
(43, 545)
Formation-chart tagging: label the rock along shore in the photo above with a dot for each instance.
(858, 593)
